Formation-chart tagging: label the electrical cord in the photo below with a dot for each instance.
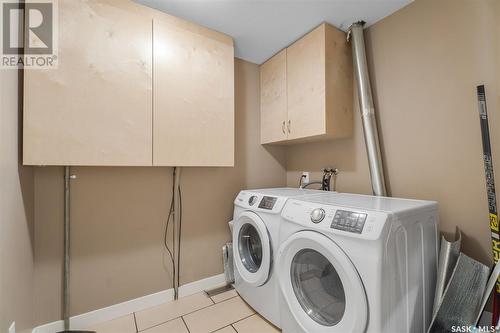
(165, 236)
(170, 251)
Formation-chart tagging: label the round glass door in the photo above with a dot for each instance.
(250, 248)
(318, 287)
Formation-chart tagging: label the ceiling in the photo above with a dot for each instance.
(261, 28)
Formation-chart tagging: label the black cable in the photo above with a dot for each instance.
(165, 236)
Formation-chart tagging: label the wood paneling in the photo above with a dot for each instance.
(273, 99)
(338, 84)
(96, 107)
(306, 85)
(194, 98)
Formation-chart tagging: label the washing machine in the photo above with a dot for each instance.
(355, 263)
(255, 229)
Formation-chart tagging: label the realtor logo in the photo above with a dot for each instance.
(29, 34)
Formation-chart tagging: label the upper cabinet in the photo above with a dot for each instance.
(273, 100)
(96, 107)
(193, 113)
(134, 87)
(319, 89)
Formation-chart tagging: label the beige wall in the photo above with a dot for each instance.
(16, 213)
(118, 217)
(425, 62)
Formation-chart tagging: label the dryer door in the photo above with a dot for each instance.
(252, 249)
(321, 285)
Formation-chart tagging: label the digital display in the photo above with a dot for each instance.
(267, 203)
(349, 221)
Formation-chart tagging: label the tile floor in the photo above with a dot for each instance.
(222, 313)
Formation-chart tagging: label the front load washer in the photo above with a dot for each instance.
(356, 263)
(256, 225)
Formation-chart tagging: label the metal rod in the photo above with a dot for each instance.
(355, 34)
(66, 299)
(177, 240)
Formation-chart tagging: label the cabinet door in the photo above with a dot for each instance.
(306, 85)
(96, 107)
(273, 100)
(193, 117)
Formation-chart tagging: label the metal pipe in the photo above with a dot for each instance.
(66, 271)
(355, 34)
(177, 240)
(66, 299)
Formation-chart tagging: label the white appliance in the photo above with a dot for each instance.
(256, 225)
(356, 263)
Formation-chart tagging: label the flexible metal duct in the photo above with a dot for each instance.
(355, 35)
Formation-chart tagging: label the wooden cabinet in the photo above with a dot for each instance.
(306, 85)
(319, 89)
(135, 87)
(96, 107)
(273, 100)
(193, 117)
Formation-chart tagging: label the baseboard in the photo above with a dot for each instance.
(200, 285)
(92, 318)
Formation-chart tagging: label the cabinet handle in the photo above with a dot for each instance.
(283, 127)
(289, 125)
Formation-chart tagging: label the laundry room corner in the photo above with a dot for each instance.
(425, 61)
(249, 166)
(117, 236)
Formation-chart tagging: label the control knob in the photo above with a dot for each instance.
(317, 215)
(252, 200)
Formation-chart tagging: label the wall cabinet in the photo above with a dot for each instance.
(134, 87)
(273, 100)
(319, 89)
(194, 98)
(96, 107)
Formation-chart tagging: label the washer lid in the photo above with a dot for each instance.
(252, 249)
(321, 285)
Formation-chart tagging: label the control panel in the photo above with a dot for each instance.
(342, 220)
(259, 202)
(267, 202)
(349, 221)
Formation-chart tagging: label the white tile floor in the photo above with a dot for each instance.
(222, 313)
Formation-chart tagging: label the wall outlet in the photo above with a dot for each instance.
(305, 177)
(12, 328)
